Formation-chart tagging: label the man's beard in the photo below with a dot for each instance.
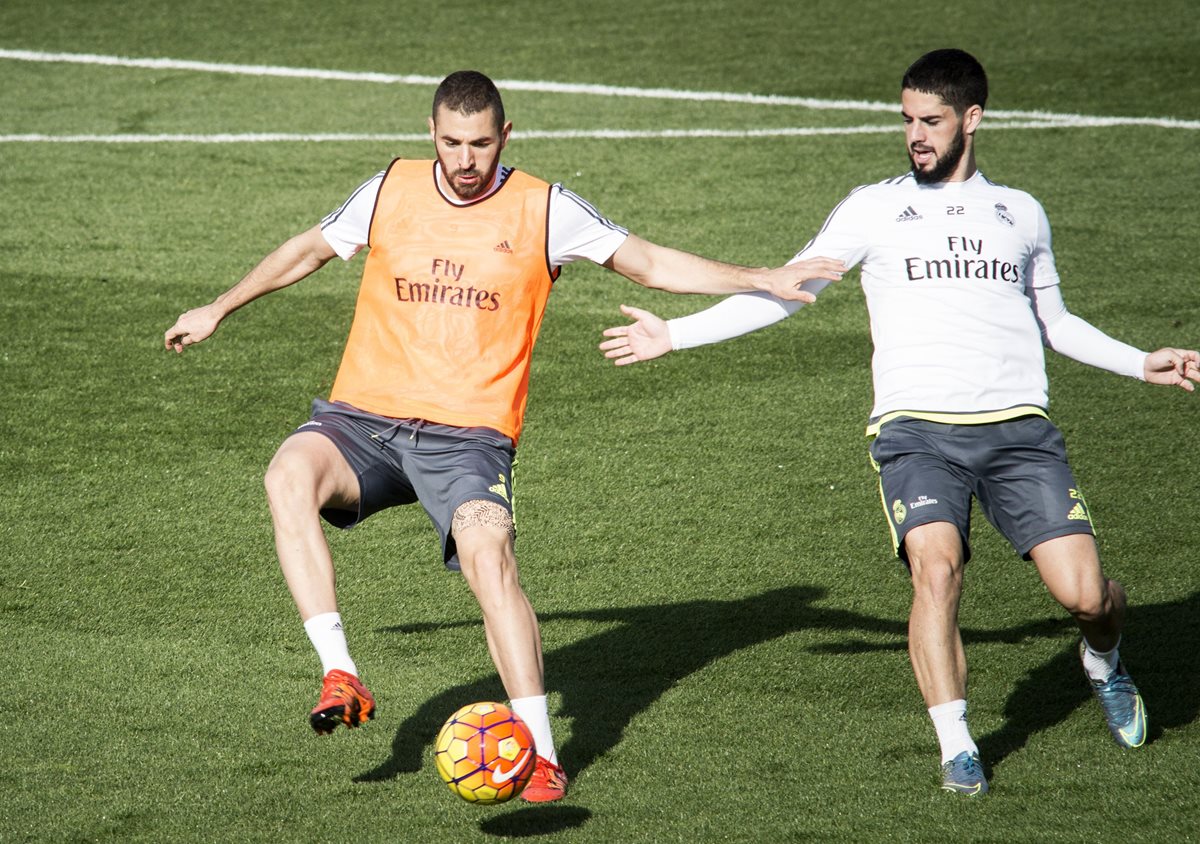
(946, 164)
(468, 191)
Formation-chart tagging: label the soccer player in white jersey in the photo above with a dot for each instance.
(962, 292)
(428, 402)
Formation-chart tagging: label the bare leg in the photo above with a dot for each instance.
(483, 533)
(936, 559)
(1070, 568)
(307, 473)
(935, 556)
(490, 567)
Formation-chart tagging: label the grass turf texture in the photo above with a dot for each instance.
(701, 536)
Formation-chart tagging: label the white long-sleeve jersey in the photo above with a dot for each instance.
(962, 291)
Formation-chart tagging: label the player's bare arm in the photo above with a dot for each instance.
(297, 258)
(674, 271)
(1173, 368)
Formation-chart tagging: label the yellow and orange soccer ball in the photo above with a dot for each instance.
(485, 753)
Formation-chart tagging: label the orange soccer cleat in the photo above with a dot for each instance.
(344, 700)
(548, 783)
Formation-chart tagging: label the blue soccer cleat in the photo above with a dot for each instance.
(1123, 707)
(964, 775)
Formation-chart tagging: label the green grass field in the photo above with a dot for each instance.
(701, 536)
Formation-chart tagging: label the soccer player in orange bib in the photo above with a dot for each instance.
(429, 399)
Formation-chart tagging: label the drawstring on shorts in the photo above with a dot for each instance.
(385, 436)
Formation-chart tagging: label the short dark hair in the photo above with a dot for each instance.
(954, 75)
(469, 92)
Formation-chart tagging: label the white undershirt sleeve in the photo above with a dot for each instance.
(734, 316)
(745, 312)
(1078, 339)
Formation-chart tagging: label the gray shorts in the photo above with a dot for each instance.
(929, 471)
(402, 461)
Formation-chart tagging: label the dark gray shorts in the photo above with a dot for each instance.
(929, 471)
(402, 461)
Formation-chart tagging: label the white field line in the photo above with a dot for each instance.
(1008, 119)
(565, 134)
(393, 79)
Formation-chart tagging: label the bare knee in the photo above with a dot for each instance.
(935, 559)
(1070, 568)
(289, 482)
(937, 578)
(1094, 601)
(307, 473)
(492, 576)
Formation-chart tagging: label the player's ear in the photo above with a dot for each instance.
(432, 129)
(972, 118)
(505, 130)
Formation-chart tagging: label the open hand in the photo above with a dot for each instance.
(646, 338)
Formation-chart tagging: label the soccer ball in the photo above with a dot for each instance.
(485, 753)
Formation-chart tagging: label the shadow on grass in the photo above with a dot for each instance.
(535, 821)
(1161, 651)
(607, 679)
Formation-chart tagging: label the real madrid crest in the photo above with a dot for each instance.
(1002, 214)
(899, 511)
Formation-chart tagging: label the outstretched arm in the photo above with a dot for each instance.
(1076, 338)
(663, 268)
(296, 259)
(649, 336)
(646, 338)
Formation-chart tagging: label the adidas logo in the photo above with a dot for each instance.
(1078, 512)
(499, 488)
(908, 215)
(503, 246)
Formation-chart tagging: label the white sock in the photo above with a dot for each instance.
(533, 711)
(1099, 665)
(950, 721)
(327, 636)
